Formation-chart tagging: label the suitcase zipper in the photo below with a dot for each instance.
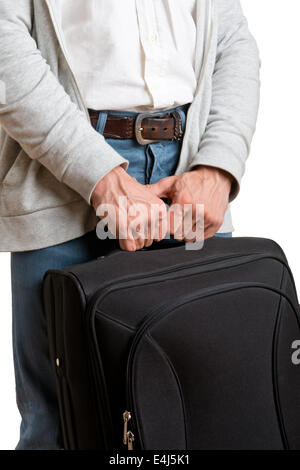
(128, 436)
(108, 287)
(111, 285)
(130, 439)
(162, 311)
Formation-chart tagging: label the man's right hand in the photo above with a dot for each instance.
(118, 186)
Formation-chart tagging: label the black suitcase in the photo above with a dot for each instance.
(171, 349)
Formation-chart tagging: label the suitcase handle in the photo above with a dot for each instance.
(164, 244)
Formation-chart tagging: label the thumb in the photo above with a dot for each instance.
(162, 188)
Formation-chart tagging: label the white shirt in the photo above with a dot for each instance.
(131, 54)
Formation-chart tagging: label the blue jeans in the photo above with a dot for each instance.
(35, 385)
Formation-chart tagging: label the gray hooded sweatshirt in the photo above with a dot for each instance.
(51, 158)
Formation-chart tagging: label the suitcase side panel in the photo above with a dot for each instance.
(65, 310)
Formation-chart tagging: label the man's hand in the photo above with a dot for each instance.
(151, 222)
(204, 185)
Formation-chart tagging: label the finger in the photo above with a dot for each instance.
(161, 233)
(195, 235)
(158, 223)
(163, 187)
(140, 243)
(175, 216)
(127, 245)
(209, 232)
(148, 243)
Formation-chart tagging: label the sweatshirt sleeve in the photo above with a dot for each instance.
(235, 96)
(36, 111)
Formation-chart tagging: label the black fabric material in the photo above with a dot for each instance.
(195, 344)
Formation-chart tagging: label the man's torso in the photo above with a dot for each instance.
(131, 54)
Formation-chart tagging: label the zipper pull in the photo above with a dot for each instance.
(128, 436)
(130, 439)
(126, 418)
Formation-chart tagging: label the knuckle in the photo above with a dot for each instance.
(219, 222)
(185, 198)
(161, 209)
(209, 219)
(213, 219)
(148, 219)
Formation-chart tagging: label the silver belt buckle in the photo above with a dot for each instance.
(139, 129)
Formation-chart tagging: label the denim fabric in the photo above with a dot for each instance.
(35, 386)
(223, 235)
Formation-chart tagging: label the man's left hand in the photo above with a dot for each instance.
(204, 185)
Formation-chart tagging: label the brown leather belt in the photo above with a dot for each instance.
(145, 127)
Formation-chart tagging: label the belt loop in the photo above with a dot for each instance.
(101, 121)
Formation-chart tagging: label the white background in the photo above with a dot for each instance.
(268, 203)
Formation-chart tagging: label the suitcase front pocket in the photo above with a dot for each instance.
(202, 372)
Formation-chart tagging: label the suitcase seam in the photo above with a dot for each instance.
(51, 326)
(100, 313)
(70, 399)
(276, 392)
